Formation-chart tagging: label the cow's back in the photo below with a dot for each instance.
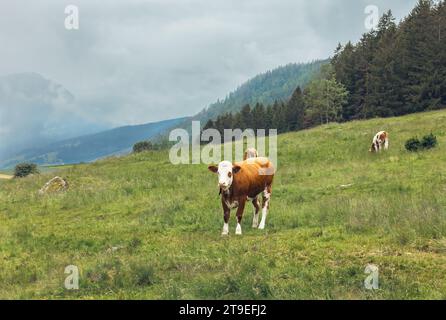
(255, 174)
(381, 136)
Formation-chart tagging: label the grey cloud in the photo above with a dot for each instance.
(140, 61)
(35, 110)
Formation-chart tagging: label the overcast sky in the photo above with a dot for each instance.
(134, 61)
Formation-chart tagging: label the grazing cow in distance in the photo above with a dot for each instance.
(380, 141)
(250, 153)
(243, 181)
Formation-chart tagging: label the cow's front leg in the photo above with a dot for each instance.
(227, 214)
(255, 219)
(380, 146)
(265, 207)
(241, 207)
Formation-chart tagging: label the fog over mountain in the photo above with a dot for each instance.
(35, 111)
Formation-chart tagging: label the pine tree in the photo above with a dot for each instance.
(269, 116)
(246, 119)
(279, 117)
(258, 116)
(218, 125)
(210, 124)
(227, 120)
(440, 14)
(417, 39)
(296, 111)
(385, 96)
(344, 67)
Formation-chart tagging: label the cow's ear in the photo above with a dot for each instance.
(235, 169)
(214, 169)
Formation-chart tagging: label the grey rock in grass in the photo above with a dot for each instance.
(56, 184)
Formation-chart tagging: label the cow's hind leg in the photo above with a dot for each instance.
(255, 219)
(265, 206)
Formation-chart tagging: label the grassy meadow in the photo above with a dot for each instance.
(139, 227)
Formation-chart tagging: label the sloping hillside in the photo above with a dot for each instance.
(139, 227)
(277, 84)
(91, 147)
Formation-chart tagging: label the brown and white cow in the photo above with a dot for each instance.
(380, 141)
(250, 153)
(243, 181)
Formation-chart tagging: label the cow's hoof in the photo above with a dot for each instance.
(238, 230)
(225, 231)
(255, 226)
(261, 227)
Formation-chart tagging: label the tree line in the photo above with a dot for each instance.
(277, 84)
(393, 70)
(320, 102)
(396, 69)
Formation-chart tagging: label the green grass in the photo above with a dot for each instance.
(166, 222)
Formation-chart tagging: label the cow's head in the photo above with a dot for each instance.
(250, 153)
(225, 171)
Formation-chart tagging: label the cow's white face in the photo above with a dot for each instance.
(225, 171)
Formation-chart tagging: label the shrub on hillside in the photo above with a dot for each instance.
(428, 142)
(24, 169)
(142, 146)
(413, 145)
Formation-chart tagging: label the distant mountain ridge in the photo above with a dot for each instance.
(91, 147)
